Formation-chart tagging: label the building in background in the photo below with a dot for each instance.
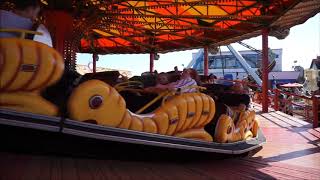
(283, 77)
(312, 75)
(225, 62)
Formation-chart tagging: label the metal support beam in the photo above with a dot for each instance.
(206, 61)
(62, 32)
(94, 61)
(245, 65)
(315, 111)
(265, 62)
(151, 62)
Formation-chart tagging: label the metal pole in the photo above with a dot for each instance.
(151, 62)
(94, 65)
(276, 99)
(245, 65)
(315, 111)
(205, 61)
(265, 72)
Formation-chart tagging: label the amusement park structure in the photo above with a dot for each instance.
(98, 110)
(239, 65)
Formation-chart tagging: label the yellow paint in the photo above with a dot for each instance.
(106, 34)
(191, 111)
(205, 111)
(126, 121)
(182, 111)
(172, 112)
(213, 10)
(49, 59)
(197, 134)
(162, 120)
(29, 57)
(199, 107)
(22, 32)
(136, 124)
(149, 125)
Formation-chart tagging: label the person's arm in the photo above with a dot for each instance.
(184, 84)
(170, 86)
(156, 89)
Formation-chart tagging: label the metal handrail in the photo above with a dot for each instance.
(275, 99)
(22, 32)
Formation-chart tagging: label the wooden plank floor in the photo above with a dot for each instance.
(289, 140)
(292, 152)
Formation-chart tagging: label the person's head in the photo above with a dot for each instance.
(162, 79)
(212, 77)
(27, 8)
(176, 69)
(191, 73)
(186, 73)
(237, 87)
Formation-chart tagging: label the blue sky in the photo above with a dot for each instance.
(302, 44)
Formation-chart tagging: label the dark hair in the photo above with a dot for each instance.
(24, 4)
(194, 75)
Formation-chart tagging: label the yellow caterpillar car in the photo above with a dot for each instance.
(97, 110)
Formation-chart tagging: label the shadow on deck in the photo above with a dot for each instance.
(292, 152)
(289, 140)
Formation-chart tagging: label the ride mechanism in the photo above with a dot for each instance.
(254, 76)
(180, 115)
(96, 110)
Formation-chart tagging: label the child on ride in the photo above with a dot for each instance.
(185, 81)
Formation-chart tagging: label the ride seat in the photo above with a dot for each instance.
(26, 69)
(109, 77)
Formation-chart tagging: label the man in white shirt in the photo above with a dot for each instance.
(26, 11)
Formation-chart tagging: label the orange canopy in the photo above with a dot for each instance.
(169, 25)
(145, 26)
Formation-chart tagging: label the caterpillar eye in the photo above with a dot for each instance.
(95, 101)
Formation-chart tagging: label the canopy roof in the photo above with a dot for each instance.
(170, 25)
(120, 26)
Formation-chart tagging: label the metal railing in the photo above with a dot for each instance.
(290, 103)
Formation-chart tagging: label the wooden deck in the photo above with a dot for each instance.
(292, 152)
(289, 140)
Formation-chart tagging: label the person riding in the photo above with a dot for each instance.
(162, 79)
(186, 80)
(23, 17)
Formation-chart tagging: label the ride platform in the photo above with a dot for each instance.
(292, 152)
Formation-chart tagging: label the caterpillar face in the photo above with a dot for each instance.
(95, 100)
(226, 131)
(183, 115)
